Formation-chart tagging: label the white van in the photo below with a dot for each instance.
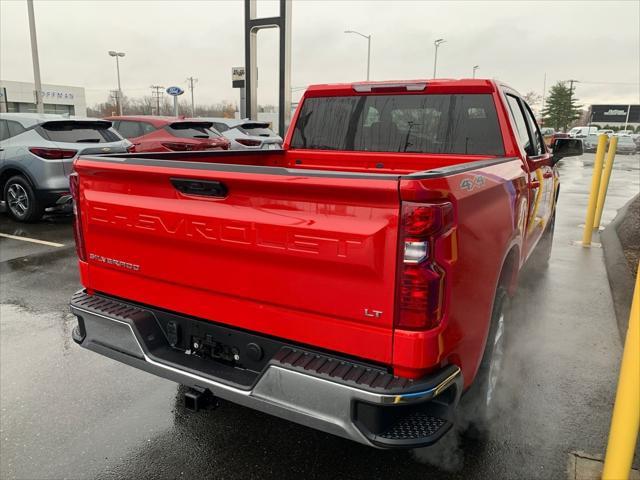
(582, 132)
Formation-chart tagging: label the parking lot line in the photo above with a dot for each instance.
(32, 240)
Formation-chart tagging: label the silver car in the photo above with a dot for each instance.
(246, 134)
(36, 157)
(626, 145)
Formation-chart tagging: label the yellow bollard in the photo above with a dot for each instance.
(595, 190)
(604, 182)
(625, 421)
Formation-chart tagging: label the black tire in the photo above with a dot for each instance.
(478, 403)
(539, 259)
(20, 200)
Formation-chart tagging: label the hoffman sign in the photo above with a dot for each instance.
(615, 113)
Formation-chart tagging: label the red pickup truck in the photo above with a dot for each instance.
(356, 282)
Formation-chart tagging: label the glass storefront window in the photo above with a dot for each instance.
(14, 107)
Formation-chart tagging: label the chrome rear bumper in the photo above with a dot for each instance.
(334, 405)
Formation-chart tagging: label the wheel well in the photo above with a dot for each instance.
(509, 273)
(7, 174)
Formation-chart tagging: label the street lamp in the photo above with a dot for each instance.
(437, 43)
(368, 37)
(475, 67)
(113, 53)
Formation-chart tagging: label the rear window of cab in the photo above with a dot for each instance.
(433, 123)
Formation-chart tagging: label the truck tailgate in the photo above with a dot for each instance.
(294, 255)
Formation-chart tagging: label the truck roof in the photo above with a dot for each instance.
(440, 85)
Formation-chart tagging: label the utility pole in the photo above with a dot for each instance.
(571, 82)
(157, 92)
(115, 94)
(544, 90)
(191, 81)
(475, 67)
(35, 58)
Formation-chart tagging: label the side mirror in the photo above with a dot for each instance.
(566, 147)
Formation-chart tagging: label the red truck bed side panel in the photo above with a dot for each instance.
(491, 206)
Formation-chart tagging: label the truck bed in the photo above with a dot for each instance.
(301, 254)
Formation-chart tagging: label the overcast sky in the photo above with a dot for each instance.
(596, 42)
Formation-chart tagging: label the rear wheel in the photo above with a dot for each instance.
(478, 404)
(20, 200)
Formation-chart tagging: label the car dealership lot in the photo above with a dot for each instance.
(66, 412)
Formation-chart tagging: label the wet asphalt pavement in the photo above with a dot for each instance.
(66, 412)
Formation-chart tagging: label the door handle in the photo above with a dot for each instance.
(205, 188)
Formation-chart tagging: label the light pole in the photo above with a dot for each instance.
(35, 59)
(475, 67)
(368, 37)
(437, 43)
(113, 53)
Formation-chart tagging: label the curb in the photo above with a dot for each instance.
(621, 281)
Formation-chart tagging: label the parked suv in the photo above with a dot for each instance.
(169, 134)
(247, 134)
(36, 157)
(626, 145)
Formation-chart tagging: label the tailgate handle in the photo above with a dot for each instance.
(206, 188)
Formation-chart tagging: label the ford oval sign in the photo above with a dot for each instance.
(175, 91)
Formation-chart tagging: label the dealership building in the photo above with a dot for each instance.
(615, 116)
(63, 99)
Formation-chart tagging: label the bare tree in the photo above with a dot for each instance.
(532, 98)
(146, 105)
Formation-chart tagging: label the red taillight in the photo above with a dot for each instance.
(421, 279)
(131, 148)
(248, 142)
(74, 184)
(53, 153)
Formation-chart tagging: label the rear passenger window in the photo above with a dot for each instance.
(221, 127)
(14, 128)
(129, 129)
(4, 130)
(521, 125)
(147, 128)
(10, 128)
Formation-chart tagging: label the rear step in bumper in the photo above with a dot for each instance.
(364, 404)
